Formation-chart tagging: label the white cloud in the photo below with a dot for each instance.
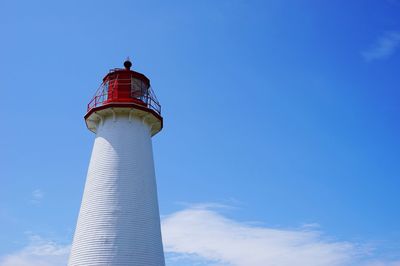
(384, 47)
(37, 196)
(204, 233)
(201, 236)
(38, 252)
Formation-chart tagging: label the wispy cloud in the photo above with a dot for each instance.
(206, 234)
(384, 47)
(37, 197)
(39, 252)
(201, 236)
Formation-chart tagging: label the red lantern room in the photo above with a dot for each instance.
(124, 90)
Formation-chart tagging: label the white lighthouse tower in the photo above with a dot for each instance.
(119, 222)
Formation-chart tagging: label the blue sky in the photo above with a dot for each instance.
(279, 115)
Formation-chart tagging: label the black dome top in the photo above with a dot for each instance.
(127, 64)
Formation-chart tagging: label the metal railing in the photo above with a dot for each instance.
(107, 92)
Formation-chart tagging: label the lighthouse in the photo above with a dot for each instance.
(119, 221)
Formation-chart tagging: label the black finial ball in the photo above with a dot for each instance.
(127, 64)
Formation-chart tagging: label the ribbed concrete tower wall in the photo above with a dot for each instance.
(119, 222)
